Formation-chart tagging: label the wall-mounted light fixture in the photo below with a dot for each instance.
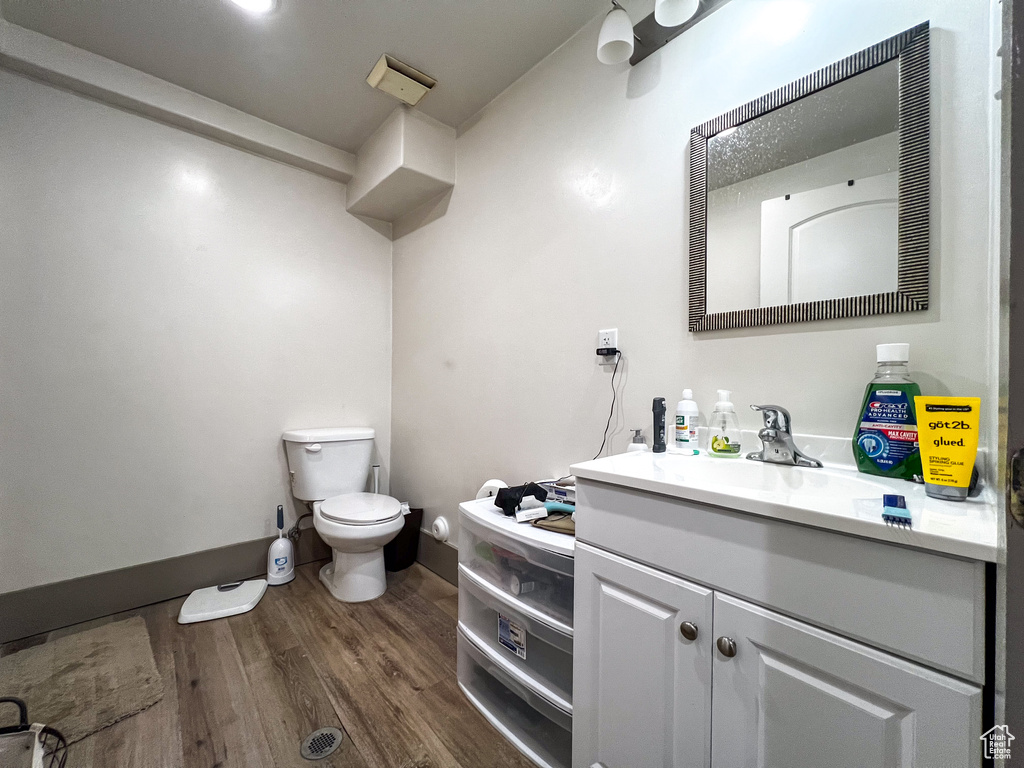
(672, 13)
(615, 42)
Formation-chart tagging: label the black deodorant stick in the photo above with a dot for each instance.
(659, 424)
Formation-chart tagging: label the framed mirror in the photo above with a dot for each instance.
(812, 202)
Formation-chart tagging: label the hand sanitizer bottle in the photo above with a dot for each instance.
(687, 415)
(724, 428)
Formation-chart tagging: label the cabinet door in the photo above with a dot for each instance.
(641, 689)
(795, 696)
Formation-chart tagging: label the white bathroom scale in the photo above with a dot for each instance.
(224, 600)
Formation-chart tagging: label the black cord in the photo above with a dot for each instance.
(611, 411)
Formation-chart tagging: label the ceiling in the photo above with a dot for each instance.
(304, 65)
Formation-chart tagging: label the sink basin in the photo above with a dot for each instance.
(768, 478)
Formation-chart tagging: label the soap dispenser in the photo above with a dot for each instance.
(724, 428)
(638, 443)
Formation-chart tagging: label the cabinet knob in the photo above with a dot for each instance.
(688, 630)
(726, 647)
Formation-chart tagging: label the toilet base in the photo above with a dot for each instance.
(355, 577)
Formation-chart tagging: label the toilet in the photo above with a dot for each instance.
(329, 468)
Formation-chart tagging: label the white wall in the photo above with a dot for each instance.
(168, 305)
(569, 215)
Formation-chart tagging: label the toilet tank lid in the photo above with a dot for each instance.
(328, 434)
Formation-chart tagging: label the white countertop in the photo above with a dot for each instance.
(833, 498)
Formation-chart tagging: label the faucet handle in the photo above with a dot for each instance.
(775, 416)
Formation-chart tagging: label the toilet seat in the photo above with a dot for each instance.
(360, 508)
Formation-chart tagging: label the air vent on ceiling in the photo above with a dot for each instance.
(400, 80)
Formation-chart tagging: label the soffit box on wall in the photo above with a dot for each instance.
(64, 65)
(407, 162)
(303, 66)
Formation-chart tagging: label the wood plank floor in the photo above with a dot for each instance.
(243, 692)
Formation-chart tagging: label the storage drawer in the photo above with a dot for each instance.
(537, 650)
(539, 578)
(538, 728)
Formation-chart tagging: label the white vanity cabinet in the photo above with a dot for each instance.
(738, 641)
(642, 665)
(794, 695)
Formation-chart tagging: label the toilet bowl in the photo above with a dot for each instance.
(356, 526)
(329, 468)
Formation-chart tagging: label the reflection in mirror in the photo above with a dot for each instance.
(802, 202)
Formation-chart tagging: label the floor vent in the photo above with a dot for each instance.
(319, 744)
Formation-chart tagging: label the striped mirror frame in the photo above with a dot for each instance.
(911, 295)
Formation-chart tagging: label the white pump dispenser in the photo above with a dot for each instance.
(638, 443)
(725, 401)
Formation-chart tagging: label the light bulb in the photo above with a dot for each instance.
(255, 6)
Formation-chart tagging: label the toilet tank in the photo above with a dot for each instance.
(328, 461)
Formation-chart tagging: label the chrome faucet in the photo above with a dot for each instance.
(777, 440)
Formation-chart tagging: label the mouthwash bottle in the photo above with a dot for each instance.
(885, 442)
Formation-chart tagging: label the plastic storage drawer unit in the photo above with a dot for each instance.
(538, 577)
(538, 728)
(506, 629)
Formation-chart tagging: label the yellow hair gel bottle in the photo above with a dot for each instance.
(948, 430)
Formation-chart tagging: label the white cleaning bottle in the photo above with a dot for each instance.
(281, 558)
(687, 415)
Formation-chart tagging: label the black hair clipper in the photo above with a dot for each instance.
(659, 424)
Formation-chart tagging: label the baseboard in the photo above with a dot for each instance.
(440, 557)
(51, 606)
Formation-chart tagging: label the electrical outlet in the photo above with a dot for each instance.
(608, 339)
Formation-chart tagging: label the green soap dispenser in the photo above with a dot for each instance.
(724, 428)
(885, 441)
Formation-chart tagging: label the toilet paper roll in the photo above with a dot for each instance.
(490, 488)
(439, 530)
